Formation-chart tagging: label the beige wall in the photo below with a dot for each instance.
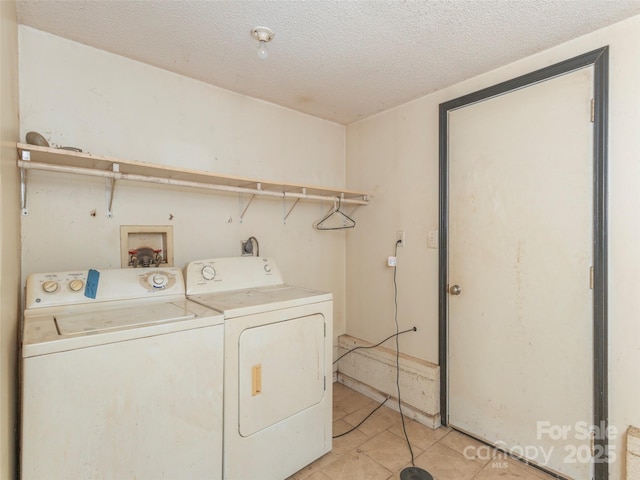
(108, 105)
(9, 238)
(395, 156)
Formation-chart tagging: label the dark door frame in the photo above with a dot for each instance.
(599, 59)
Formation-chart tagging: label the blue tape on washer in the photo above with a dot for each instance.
(91, 288)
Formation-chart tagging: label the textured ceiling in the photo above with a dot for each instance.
(338, 60)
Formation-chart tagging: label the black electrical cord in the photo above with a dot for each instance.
(395, 316)
(414, 329)
(363, 420)
(397, 334)
(385, 400)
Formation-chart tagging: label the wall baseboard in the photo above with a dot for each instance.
(633, 453)
(372, 372)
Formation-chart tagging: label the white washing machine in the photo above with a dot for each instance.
(121, 378)
(277, 378)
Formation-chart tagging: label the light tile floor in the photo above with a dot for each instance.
(377, 450)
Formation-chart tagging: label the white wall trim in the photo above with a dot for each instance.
(633, 453)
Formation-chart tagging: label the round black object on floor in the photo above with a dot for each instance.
(415, 473)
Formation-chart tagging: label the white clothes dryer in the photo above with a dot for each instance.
(277, 377)
(121, 378)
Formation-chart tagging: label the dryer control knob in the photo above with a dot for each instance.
(50, 286)
(76, 285)
(267, 268)
(159, 280)
(208, 272)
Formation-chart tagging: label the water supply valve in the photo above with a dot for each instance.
(145, 257)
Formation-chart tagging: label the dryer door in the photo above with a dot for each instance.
(281, 371)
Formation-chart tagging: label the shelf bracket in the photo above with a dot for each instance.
(288, 212)
(24, 208)
(246, 207)
(111, 186)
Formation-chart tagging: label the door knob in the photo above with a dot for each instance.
(455, 290)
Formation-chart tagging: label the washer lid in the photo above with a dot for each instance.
(66, 328)
(105, 320)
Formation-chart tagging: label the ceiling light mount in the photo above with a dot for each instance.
(263, 35)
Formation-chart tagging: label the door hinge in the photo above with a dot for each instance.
(591, 280)
(593, 110)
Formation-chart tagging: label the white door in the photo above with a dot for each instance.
(520, 249)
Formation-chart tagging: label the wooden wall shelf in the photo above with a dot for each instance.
(66, 161)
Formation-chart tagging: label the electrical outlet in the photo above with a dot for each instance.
(400, 238)
(246, 248)
(249, 247)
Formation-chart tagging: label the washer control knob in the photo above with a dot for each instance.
(50, 286)
(267, 268)
(208, 272)
(159, 280)
(76, 285)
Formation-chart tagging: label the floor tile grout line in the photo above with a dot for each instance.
(369, 436)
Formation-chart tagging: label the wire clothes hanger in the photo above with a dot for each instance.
(344, 221)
